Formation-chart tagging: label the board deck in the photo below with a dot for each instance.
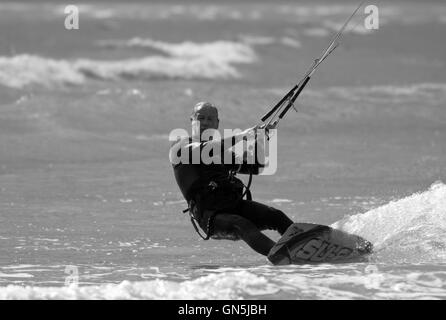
(305, 243)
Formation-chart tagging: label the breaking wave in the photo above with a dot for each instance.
(245, 41)
(182, 61)
(218, 50)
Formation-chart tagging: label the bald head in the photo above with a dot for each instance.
(204, 108)
(207, 114)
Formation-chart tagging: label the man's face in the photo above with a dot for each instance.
(208, 118)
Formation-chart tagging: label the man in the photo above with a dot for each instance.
(214, 195)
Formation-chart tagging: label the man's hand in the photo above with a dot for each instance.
(248, 133)
(269, 126)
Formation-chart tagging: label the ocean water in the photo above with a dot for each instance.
(86, 188)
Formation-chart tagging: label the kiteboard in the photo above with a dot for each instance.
(304, 243)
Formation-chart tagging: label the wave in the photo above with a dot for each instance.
(22, 70)
(406, 230)
(184, 61)
(219, 50)
(240, 51)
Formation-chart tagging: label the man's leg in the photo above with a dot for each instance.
(227, 226)
(264, 217)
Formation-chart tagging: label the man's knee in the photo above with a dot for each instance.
(276, 211)
(279, 220)
(233, 226)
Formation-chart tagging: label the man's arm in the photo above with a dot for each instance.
(255, 159)
(228, 142)
(218, 144)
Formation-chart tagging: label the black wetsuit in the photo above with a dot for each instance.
(215, 199)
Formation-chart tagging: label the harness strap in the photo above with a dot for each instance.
(194, 223)
(247, 192)
(208, 228)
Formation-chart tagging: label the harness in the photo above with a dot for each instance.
(195, 212)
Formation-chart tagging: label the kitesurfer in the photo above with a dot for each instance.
(215, 196)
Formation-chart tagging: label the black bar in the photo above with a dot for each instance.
(269, 113)
(222, 309)
(294, 97)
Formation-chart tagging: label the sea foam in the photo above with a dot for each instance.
(351, 281)
(215, 286)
